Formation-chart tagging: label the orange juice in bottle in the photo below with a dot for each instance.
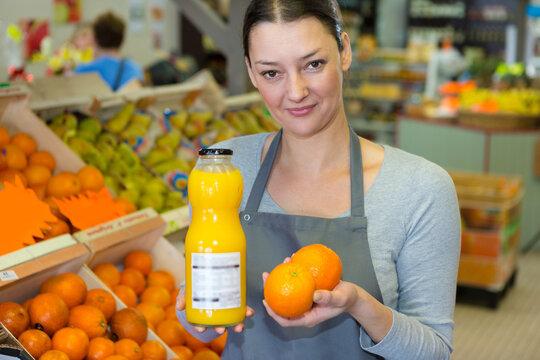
(215, 246)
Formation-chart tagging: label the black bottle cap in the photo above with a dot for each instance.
(215, 152)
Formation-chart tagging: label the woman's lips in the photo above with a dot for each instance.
(300, 111)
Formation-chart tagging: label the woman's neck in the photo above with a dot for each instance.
(326, 151)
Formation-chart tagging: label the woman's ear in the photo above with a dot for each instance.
(250, 71)
(346, 53)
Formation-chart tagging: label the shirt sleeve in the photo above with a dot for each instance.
(427, 274)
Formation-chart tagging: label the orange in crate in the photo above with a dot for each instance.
(63, 184)
(134, 279)
(49, 312)
(162, 278)
(36, 342)
(15, 158)
(129, 323)
(139, 260)
(37, 175)
(157, 295)
(14, 317)
(5, 138)
(24, 142)
(103, 300)
(89, 319)
(154, 350)
(43, 158)
(91, 178)
(128, 348)
(69, 286)
(54, 355)
(183, 352)
(72, 341)
(9, 175)
(99, 348)
(108, 273)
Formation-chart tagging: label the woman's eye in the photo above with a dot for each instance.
(315, 64)
(269, 74)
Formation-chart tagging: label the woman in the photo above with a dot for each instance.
(392, 217)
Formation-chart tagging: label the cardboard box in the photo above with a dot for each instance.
(492, 243)
(487, 272)
(142, 230)
(27, 288)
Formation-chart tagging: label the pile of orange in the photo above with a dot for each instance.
(289, 288)
(67, 321)
(153, 293)
(20, 158)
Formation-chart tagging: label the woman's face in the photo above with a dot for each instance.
(298, 70)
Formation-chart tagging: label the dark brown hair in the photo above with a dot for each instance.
(283, 11)
(109, 31)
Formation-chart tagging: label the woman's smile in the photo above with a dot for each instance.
(301, 111)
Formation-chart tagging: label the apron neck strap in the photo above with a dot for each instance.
(356, 168)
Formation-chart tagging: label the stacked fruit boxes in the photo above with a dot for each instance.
(490, 207)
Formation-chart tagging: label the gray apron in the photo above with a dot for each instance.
(272, 237)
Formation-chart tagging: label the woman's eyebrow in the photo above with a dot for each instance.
(273, 63)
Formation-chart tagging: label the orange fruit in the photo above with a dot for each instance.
(91, 178)
(89, 319)
(14, 157)
(26, 305)
(49, 312)
(69, 286)
(56, 229)
(4, 137)
(54, 355)
(103, 300)
(193, 343)
(14, 317)
(116, 357)
(9, 175)
(183, 352)
(206, 354)
(74, 342)
(129, 323)
(43, 158)
(161, 278)
(134, 279)
(324, 263)
(153, 313)
(170, 312)
(171, 332)
(126, 294)
(128, 348)
(289, 289)
(218, 344)
(25, 142)
(37, 175)
(36, 342)
(63, 184)
(154, 350)
(125, 204)
(157, 295)
(140, 260)
(99, 348)
(108, 273)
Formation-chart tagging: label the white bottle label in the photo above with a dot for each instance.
(215, 281)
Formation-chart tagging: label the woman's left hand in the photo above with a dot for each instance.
(326, 305)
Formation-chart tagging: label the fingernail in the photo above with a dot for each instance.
(317, 296)
(198, 329)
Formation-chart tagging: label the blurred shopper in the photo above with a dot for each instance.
(445, 64)
(116, 71)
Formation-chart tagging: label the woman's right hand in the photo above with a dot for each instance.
(181, 305)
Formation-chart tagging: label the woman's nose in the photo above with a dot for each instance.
(298, 88)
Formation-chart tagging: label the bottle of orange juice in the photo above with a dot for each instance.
(215, 244)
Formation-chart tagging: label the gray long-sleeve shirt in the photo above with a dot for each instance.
(414, 238)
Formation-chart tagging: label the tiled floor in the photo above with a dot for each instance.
(512, 331)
